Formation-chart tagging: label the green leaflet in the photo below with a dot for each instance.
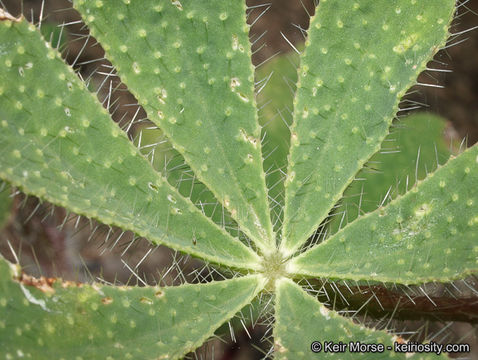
(300, 320)
(429, 234)
(349, 86)
(193, 57)
(96, 321)
(58, 143)
(275, 103)
(418, 136)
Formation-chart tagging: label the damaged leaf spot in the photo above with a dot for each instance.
(43, 284)
(107, 300)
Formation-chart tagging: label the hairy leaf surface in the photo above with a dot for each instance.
(188, 64)
(58, 143)
(42, 319)
(348, 92)
(301, 320)
(429, 234)
(414, 148)
(194, 59)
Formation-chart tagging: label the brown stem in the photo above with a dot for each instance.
(380, 301)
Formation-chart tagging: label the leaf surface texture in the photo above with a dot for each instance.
(301, 320)
(194, 58)
(429, 234)
(65, 319)
(58, 143)
(348, 91)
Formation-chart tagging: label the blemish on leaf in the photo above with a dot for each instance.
(107, 300)
(146, 300)
(42, 283)
(178, 4)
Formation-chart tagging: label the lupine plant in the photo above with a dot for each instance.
(188, 64)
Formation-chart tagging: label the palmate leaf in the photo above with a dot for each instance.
(41, 318)
(194, 59)
(429, 234)
(187, 62)
(58, 143)
(301, 320)
(348, 92)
